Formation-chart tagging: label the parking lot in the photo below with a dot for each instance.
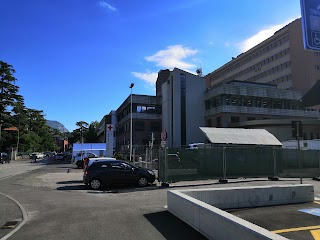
(295, 221)
(55, 197)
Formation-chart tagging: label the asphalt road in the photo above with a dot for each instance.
(59, 206)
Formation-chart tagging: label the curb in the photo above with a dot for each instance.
(24, 216)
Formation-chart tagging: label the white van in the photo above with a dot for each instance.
(195, 145)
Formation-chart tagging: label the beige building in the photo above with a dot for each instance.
(280, 60)
(263, 87)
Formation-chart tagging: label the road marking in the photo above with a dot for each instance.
(313, 211)
(24, 216)
(316, 234)
(316, 202)
(296, 229)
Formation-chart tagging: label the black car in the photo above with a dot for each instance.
(4, 158)
(108, 171)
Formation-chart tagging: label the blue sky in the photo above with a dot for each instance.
(75, 59)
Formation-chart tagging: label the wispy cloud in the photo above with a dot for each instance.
(173, 56)
(170, 57)
(149, 77)
(260, 36)
(107, 6)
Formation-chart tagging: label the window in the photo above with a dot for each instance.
(139, 126)
(209, 123)
(120, 166)
(141, 109)
(155, 126)
(218, 122)
(151, 109)
(251, 118)
(311, 136)
(305, 136)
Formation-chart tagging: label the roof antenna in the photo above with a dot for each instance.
(199, 72)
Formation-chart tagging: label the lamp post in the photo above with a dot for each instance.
(131, 86)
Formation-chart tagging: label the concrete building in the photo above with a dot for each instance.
(106, 132)
(271, 79)
(280, 60)
(183, 108)
(146, 119)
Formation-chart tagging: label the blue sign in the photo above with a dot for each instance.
(313, 211)
(310, 17)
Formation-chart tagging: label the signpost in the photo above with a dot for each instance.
(310, 17)
(164, 136)
(297, 132)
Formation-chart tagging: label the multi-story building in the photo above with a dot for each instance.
(146, 119)
(280, 60)
(183, 108)
(256, 105)
(272, 78)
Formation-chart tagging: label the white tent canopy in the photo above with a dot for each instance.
(240, 136)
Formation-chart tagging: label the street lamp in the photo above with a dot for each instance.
(131, 86)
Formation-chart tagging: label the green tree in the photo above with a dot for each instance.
(9, 98)
(91, 135)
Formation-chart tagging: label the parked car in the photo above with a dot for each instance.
(78, 159)
(37, 154)
(173, 161)
(4, 158)
(60, 156)
(106, 171)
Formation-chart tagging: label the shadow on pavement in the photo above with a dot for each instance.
(71, 167)
(172, 227)
(70, 182)
(72, 187)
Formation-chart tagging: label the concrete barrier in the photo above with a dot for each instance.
(200, 208)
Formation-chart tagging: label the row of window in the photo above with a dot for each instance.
(139, 108)
(258, 66)
(270, 71)
(281, 79)
(255, 55)
(234, 100)
(139, 126)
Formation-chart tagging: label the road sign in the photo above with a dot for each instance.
(310, 17)
(163, 144)
(164, 135)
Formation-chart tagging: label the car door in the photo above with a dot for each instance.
(123, 173)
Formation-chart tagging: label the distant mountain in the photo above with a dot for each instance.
(57, 125)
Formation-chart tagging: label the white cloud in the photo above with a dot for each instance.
(260, 37)
(172, 57)
(149, 77)
(107, 6)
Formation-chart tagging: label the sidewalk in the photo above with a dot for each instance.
(9, 211)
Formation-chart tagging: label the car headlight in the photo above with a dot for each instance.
(151, 172)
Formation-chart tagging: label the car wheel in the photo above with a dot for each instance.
(95, 184)
(80, 164)
(142, 181)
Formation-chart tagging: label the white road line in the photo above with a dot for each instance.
(24, 216)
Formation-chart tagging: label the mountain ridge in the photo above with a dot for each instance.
(57, 125)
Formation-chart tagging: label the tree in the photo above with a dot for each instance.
(91, 135)
(9, 98)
